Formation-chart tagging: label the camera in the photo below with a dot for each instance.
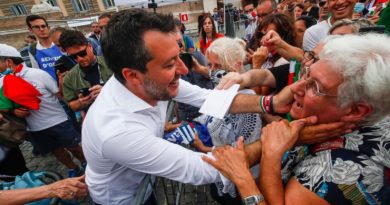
(61, 67)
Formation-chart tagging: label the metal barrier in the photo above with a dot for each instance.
(168, 192)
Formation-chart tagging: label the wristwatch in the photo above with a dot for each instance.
(252, 200)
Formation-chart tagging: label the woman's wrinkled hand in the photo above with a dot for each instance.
(69, 189)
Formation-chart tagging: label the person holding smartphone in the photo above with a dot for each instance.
(83, 82)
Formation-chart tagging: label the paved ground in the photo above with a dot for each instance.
(191, 195)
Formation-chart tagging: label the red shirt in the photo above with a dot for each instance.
(204, 47)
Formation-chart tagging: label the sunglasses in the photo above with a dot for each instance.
(81, 54)
(322, 3)
(37, 27)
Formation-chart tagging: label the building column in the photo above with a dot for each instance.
(101, 5)
(61, 5)
(208, 6)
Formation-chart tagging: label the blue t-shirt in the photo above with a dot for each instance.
(46, 59)
(188, 42)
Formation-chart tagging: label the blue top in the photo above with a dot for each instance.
(188, 42)
(46, 59)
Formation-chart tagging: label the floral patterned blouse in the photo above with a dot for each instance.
(349, 170)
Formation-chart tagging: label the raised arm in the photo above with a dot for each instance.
(250, 78)
(287, 51)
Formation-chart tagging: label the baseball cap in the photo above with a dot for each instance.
(9, 51)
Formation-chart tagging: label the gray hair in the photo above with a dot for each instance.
(229, 51)
(355, 24)
(274, 5)
(364, 63)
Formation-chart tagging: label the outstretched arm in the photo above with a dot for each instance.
(71, 188)
(243, 103)
(250, 78)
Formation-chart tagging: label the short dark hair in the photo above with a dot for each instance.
(33, 18)
(16, 60)
(105, 15)
(300, 6)
(247, 2)
(122, 41)
(71, 38)
(308, 21)
(57, 29)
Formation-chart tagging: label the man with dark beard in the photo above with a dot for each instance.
(83, 83)
(122, 132)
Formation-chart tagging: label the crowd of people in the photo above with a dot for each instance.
(309, 125)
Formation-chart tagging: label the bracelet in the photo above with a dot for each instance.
(261, 104)
(272, 105)
(265, 104)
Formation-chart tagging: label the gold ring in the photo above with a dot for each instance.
(72, 193)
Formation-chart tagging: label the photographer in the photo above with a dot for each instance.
(83, 83)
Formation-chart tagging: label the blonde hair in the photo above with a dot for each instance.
(230, 52)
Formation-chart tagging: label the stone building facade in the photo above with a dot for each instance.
(13, 28)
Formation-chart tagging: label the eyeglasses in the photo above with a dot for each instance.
(38, 27)
(81, 54)
(310, 55)
(261, 15)
(311, 84)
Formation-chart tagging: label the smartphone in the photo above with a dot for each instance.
(85, 91)
(61, 67)
(187, 59)
(380, 29)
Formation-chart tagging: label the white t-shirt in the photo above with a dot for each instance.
(50, 111)
(122, 142)
(250, 30)
(315, 34)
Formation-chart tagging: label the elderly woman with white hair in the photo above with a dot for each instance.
(348, 80)
(227, 55)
